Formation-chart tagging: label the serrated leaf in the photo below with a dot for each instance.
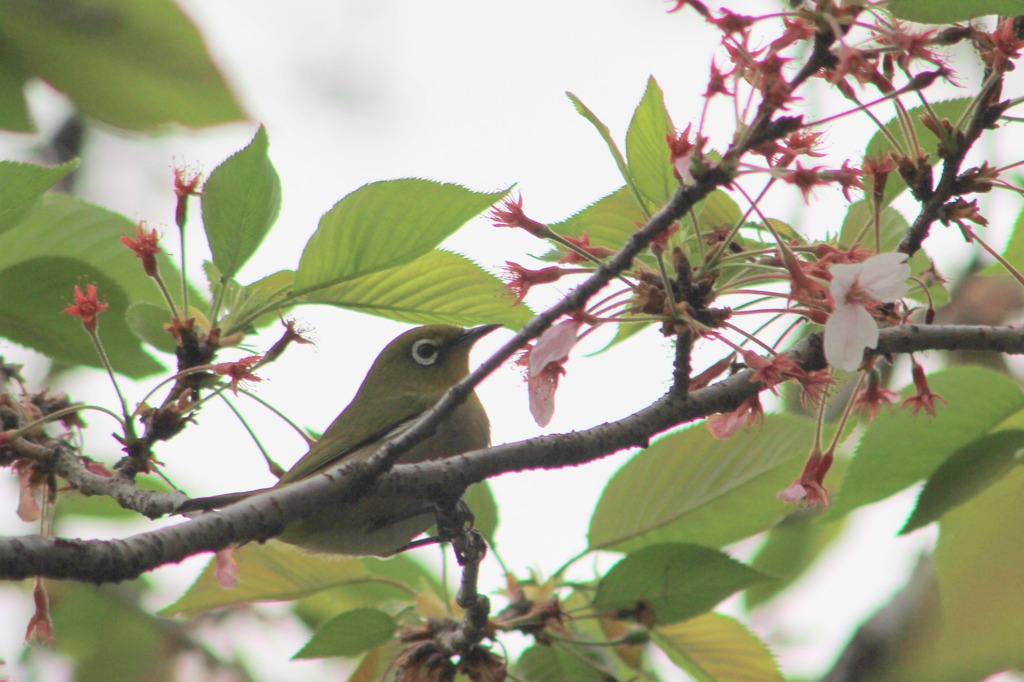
(350, 634)
(437, 288)
(134, 65)
(687, 486)
(383, 225)
(931, 12)
(606, 135)
(902, 448)
(673, 581)
(240, 202)
(23, 184)
(270, 572)
(609, 221)
(879, 143)
(717, 648)
(968, 472)
(647, 150)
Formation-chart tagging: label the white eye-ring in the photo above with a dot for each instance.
(425, 352)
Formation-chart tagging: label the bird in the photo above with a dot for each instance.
(408, 377)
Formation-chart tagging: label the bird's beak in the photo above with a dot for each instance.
(471, 336)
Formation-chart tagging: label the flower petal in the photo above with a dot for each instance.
(884, 276)
(227, 568)
(542, 396)
(553, 345)
(844, 277)
(848, 331)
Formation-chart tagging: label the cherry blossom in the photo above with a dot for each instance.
(227, 568)
(145, 246)
(855, 288)
(87, 307)
(239, 371)
(749, 413)
(546, 363)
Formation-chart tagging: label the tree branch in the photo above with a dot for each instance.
(266, 515)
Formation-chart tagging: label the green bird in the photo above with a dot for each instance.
(408, 377)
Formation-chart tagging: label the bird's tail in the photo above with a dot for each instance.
(215, 502)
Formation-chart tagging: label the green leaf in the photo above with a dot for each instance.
(350, 634)
(395, 580)
(481, 502)
(674, 581)
(717, 648)
(790, 549)
(438, 287)
(606, 135)
(147, 322)
(14, 114)
(134, 65)
(688, 487)
(879, 144)
(72, 503)
(931, 12)
(377, 664)
(858, 227)
(647, 150)
(718, 210)
(104, 629)
(272, 572)
(22, 185)
(36, 318)
(560, 662)
(1013, 252)
(383, 225)
(65, 227)
(253, 306)
(609, 221)
(902, 448)
(240, 203)
(978, 569)
(970, 471)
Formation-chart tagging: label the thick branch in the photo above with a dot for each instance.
(266, 515)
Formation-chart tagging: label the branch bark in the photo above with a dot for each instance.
(266, 515)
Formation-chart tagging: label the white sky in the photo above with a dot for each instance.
(471, 92)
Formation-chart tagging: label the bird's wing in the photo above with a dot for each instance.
(337, 444)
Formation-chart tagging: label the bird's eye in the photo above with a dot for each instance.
(424, 352)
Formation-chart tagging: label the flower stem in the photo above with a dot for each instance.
(273, 466)
(129, 425)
